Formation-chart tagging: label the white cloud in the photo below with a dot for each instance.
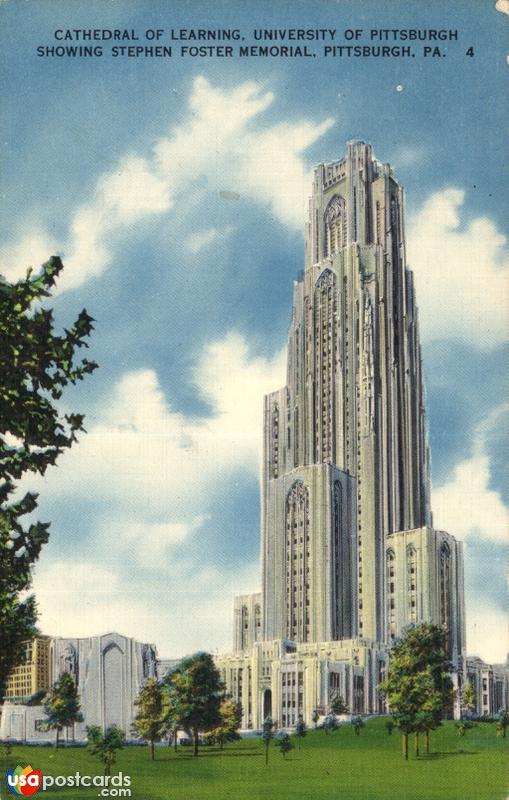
(148, 543)
(31, 251)
(466, 506)
(197, 241)
(502, 6)
(221, 144)
(487, 631)
(157, 470)
(133, 192)
(469, 509)
(188, 609)
(137, 445)
(461, 272)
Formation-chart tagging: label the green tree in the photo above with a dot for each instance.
(171, 725)
(338, 705)
(150, 723)
(195, 693)
(35, 367)
(105, 744)
(300, 730)
(408, 696)
(267, 736)
(468, 698)
(358, 724)
(418, 687)
(285, 744)
(229, 723)
(429, 716)
(62, 705)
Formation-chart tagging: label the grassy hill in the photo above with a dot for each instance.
(338, 766)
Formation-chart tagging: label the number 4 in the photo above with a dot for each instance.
(470, 52)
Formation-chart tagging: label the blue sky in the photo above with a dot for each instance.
(174, 189)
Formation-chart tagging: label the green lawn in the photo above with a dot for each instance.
(327, 767)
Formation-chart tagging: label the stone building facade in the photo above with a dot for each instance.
(349, 553)
(490, 685)
(109, 672)
(34, 675)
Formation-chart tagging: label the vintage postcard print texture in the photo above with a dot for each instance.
(288, 222)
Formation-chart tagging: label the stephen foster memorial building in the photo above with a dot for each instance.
(350, 556)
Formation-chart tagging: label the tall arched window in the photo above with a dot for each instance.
(296, 438)
(244, 626)
(275, 440)
(258, 622)
(411, 567)
(335, 226)
(297, 557)
(391, 593)
(338, 562)
(445, 593)
(326, 334)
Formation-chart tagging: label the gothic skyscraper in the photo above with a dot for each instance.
(351, 418)
(349, 553)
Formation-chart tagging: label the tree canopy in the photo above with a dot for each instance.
(418, 687)
(285, 744)
(230, 721)
(195, 692)
(267, 736)
(36, 365)
(62, 706)
(105, 744)
(150, 721)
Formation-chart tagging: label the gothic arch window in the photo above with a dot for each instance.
(297, 558)
(244, 625)
(258, 621)
(275, 440)
(411, 566)
(445, 593)
(390, 565)
(326, 353)
(338, 561)
(335, 226)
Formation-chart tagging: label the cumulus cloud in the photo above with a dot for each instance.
(187, 608)
(138, 445)
(461, 272)
(487, 631)
(155, 470)
(466, 506)
(221, 144)
(31, 250)
(148, 543)
(502, 6)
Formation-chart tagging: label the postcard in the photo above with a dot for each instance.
(254, 399)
